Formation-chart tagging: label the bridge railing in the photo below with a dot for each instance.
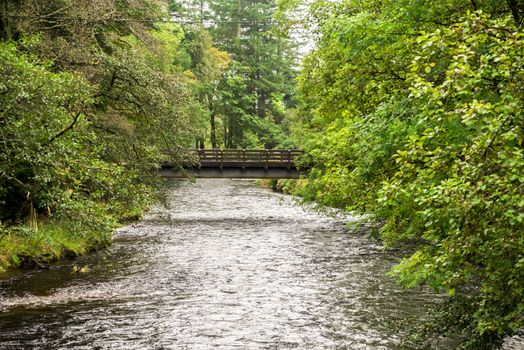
(245, 158)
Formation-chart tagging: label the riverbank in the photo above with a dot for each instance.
(286, 186)
(43, 240)
(35, 246)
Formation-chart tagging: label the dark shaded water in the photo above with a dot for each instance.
(228, 266)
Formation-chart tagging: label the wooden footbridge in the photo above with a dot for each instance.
(239, 163)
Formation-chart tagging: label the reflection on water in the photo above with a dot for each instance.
(228, 266)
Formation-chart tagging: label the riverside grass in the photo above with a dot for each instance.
(37, 244)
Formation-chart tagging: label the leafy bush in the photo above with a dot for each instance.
(462, 176)
(424, 128)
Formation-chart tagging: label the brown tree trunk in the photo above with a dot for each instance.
(213, 130)
(513, 6)
(5, 31)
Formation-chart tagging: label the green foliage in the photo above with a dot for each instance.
(50, 166)
(51, 163)
(205, 64)
(287, 186)
(87, 112)
(39, 112)
(414, 114)
(250, 97)
(462, 174)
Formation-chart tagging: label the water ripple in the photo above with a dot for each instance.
(227, 266)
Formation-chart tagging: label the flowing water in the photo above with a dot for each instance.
(227, 266)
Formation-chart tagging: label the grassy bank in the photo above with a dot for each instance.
(35, 245)
(43, 239)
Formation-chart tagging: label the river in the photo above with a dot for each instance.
(227, 265)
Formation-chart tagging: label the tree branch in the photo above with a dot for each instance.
(496, 135)
(66, 129)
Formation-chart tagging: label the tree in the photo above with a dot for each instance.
(462, 175)
(207, 64)
(262, 67)
(92, 101)
(425, 132)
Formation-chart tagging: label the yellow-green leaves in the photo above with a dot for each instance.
(426, 131)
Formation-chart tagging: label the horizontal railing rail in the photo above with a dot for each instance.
(268, 158)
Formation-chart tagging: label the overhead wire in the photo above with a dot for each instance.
(148, 20)
(292, 28)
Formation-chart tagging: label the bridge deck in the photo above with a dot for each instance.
(240, 163)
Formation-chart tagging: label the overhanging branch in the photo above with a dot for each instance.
(66, 129)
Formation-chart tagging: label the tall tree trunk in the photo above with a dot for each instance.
(226, 133)
(199, 144)
(239, 19)
(5, 30)
(213, 130)
(513, 5)
(212, 122)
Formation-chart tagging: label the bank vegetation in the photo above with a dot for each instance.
(413, 111)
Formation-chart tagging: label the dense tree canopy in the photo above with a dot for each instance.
(414, 112)
(91, 100)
